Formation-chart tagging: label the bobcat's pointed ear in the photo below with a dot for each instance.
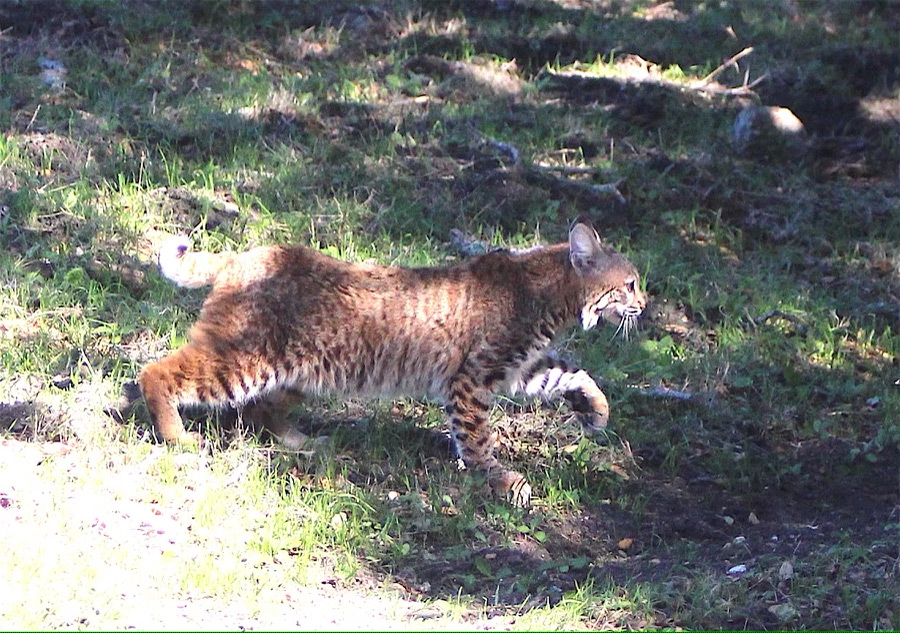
(584, 248)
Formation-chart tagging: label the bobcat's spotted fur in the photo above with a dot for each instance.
(287, 319)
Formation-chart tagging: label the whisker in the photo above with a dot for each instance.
(633, 324)
(618, 329)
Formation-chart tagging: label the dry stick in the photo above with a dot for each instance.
(753, 83)
(514, 154)
(781, 314)
(33, 117)
(701, 85)
(728, 63)
(418, 100)
(612, 188)
(467, 246)
(542, 171)
(671, 394)
(567, 170)
(740, 91)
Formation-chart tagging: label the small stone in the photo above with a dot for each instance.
(786, 571)
(62, 381)
(769, 132)
(783, 611)
(338, 521)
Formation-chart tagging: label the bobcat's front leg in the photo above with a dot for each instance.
(550, 377)
(468, 410)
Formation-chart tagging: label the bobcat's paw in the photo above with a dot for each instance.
(189, 440)
(513, 486)
(592, 423)
(590, 409)
(293, 440)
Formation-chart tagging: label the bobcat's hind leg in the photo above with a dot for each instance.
(190, 375)
(270, 412)
(468, 411)
(550, 377)
(159, 386)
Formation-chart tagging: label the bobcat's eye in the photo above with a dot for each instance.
(630, 285)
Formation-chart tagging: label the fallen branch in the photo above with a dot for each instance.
(780, 314)
(465, 245)
(671, 394)
(743, 90)
(740, 91)
(567, 170)
(514, 156)
(544, 175)
(731, 61)
(611, 188)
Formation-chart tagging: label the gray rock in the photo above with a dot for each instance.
(769, 132)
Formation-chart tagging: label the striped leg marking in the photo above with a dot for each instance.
(551, 378)
(468, 410)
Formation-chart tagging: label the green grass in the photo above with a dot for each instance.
(367, 133)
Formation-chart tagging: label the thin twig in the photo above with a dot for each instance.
(727, 64)
(740, 91)
(33, 117)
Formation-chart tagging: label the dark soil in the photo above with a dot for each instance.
(694, 527)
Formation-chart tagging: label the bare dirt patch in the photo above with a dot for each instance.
(122, 516)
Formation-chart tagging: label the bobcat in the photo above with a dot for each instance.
(284, 320)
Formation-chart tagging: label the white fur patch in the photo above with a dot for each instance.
(590, 313)
(170, 255)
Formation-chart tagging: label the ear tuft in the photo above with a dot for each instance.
(584, 248)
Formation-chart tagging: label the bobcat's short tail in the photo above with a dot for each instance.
(191, 269)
